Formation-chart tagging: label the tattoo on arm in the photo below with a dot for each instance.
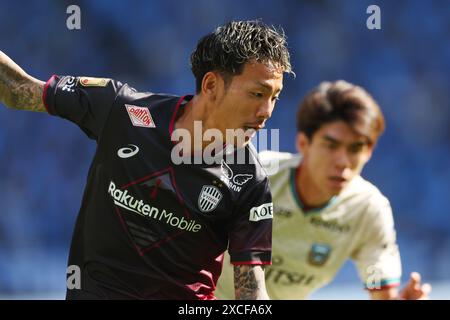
(249, 283)
(18, 90)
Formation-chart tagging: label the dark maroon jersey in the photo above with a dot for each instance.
(147, 228)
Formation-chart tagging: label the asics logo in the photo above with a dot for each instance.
(128, 152)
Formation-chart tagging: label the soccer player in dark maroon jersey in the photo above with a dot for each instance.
(150, 228)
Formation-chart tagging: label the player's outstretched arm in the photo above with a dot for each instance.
(249, 283)
(19, 90)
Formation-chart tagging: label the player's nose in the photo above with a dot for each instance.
(265, 110)
(341, 159)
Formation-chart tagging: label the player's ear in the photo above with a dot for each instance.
(302, 142)
(210, 85)
(369, 152)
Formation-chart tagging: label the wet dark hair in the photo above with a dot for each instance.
(236, 43)
(340, 100)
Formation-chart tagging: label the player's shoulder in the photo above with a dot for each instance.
(243, 166)
(365, 191)
(252, 165)
(159, 106)
(152, 100)
(118, 90)
(275, 162)
(88, 84)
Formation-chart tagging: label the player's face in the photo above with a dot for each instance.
(249, 99)
(334, 156)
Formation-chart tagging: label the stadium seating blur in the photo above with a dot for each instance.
(406, 66)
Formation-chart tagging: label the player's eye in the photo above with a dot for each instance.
(356, 148)
(332, 145)
(257, 94)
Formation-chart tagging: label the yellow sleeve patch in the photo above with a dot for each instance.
(93, 82)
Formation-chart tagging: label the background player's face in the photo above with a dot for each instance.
(334, 156)
(248, 101)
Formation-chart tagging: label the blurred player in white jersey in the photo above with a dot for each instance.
(324, 211)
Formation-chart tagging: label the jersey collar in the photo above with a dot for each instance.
(181, 103)
(294, 175)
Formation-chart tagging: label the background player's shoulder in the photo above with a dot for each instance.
(273, 161)
(377, 202)
(254, 163)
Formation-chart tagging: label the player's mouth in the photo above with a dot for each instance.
(338, 181)
(256, 127)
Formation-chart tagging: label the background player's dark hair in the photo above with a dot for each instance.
(230, 46)
(340, 100)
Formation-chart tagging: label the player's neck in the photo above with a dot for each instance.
(194, 119)
(309, 193)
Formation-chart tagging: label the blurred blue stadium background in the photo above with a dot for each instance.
(405, 65)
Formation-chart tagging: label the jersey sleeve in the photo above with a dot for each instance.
(85, 101)
(250, 233)
(378, 258)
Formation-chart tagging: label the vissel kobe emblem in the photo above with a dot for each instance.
(209, 198)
